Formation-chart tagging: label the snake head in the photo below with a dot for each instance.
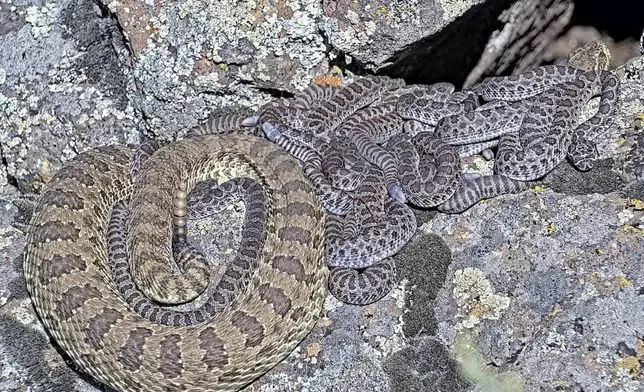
(250, 121)
(396, 193)
(271, 132)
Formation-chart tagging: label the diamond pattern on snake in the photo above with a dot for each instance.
(375, 227)
(416, 134)
(535, 116)
(132, 344)
(426, 169)
(367, 152)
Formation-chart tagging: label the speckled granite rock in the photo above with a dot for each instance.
(193, 55)
(546, 286)
(62, 86)
(527, 27)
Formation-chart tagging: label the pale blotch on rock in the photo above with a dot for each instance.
(475, 298)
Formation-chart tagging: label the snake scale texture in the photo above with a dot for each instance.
(68, 277)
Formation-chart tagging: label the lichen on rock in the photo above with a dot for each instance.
(475, 298)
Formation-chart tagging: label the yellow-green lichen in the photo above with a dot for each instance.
(630, 229)
(550, 229)
(474, 367)
(454, 8)
(636, 204)
(629, 364)
(475, 298)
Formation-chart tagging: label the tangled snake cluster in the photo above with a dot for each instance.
(378, 137)
(107, 252)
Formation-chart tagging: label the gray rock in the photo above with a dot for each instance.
(79, 85)
(63, 88)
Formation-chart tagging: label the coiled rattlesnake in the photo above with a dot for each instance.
(112, 338)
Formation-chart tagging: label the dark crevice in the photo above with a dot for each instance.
(621, 20)
(340, 58)
(354, 66)
(11, 180)
(276, 93)
(99, 37)
(514, 357)
(340, 61)
(105, 11)
(446, 56)
(273, 92)
(450, 54)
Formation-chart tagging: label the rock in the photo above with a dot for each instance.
(190, 57)
(70, 81)
(528, 27)
(590, 57)
(194, 56)
(63, 88)
(579, 36)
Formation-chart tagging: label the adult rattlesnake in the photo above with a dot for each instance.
(67, 272)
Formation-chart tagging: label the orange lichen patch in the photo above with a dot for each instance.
(203, 67)
(313, 349)
(328, 80)
(133, 16)
(153, 30)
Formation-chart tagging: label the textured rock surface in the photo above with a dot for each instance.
(194, 55)
(579, 36)
(527, 27)
(62, 87)
(537, 280)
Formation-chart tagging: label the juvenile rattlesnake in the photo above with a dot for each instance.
(415, 135)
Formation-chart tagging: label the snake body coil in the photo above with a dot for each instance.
(68, 276)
